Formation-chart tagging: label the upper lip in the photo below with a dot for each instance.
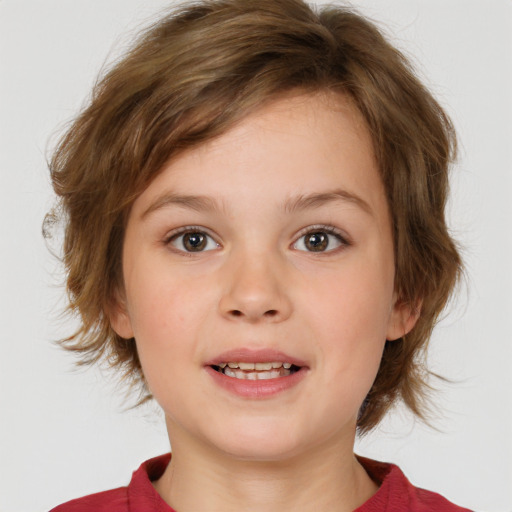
(246, 355)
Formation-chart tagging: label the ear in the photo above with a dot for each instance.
(119, 316)
(403, 318)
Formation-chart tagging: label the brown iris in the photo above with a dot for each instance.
(317, 241)
(194, 242)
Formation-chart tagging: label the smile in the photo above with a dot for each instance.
(256, 371)
(256, 374)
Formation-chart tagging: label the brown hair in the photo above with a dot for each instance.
(189, 78)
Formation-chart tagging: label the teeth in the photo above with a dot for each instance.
(256, 375)
(255, 371)
(263, 366)
(256, 366)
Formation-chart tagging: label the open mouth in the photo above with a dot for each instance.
(256, 371)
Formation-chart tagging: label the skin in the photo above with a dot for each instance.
(259, 285)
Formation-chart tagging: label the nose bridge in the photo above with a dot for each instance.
(255, 286)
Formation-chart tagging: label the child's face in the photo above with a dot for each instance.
(271, 243)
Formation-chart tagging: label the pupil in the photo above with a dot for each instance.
(317, 242)
(194, 241)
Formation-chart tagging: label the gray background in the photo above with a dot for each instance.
(63, 432)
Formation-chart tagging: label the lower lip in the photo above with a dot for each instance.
(256, 389)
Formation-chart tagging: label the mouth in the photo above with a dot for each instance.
(256, 371)
(256, 374)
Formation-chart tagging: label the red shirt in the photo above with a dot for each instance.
(395, 494)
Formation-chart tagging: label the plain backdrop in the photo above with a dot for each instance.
(64, 433)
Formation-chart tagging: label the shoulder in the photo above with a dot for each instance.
(426, 501)
(138, 495)
(397, 494)
(115, 500)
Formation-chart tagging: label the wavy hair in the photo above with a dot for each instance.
(190, 77)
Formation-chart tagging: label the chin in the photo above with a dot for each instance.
(263, 451)
(262, 441)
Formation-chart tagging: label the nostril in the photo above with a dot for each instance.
(269, 314)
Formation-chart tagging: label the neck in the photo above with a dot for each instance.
(327, 478)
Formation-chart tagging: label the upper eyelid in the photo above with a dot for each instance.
(323, 227)
(302, 232)
(344, 241)
(172, 236)
(190, 229)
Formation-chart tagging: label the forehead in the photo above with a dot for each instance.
(294, 145)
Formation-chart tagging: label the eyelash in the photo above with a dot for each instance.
(175, 235)
(342, 239)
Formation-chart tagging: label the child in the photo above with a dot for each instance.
(255, 236)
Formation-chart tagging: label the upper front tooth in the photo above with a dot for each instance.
(263, 366)
(257, 366)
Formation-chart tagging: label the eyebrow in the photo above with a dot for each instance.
(315, 200)
(291, 205)
(198, 203)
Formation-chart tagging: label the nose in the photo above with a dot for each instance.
(255, 290)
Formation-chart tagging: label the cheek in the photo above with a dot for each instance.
(158, 300)
(165, 342)
(163, 325)
(358, 300)
(350, 313)
(171, 312)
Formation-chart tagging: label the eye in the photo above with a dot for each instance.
(320, 240)
(193, 241)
